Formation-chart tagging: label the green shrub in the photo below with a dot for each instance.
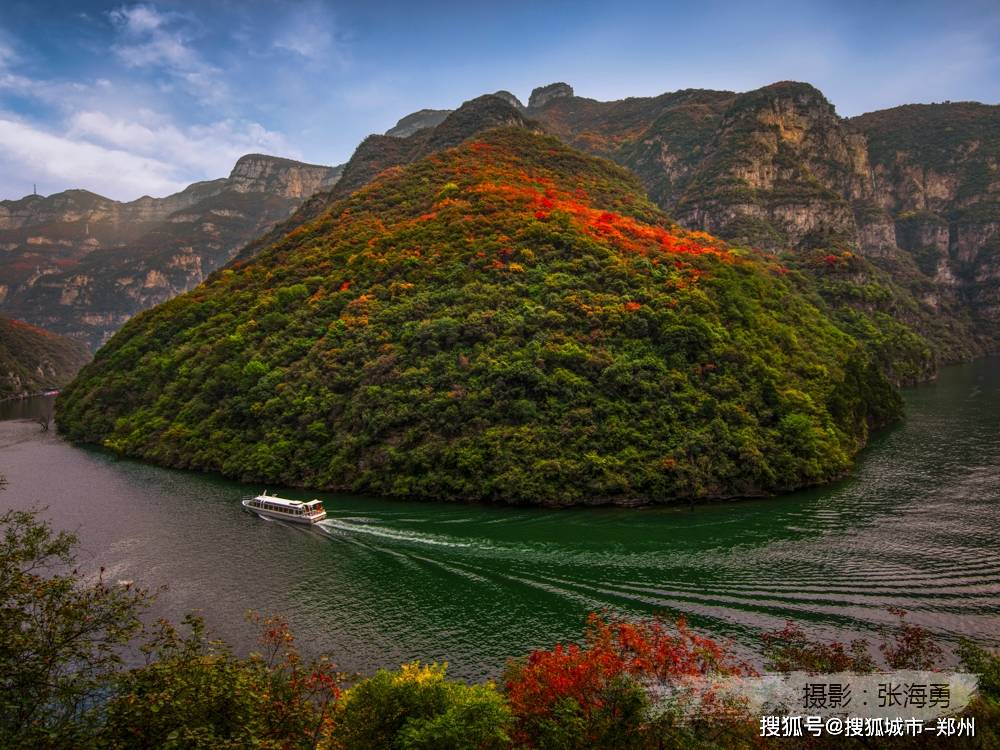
(416, 708)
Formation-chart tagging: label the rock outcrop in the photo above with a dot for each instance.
(936, 173)
(257, 173)
(545, 94)
(81, 265)
(424, 118)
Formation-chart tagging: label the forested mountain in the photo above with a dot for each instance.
(912, 191)
(34, 360)
(776, 168)
(508, 319)
(81, 265)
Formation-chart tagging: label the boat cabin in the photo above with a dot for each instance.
(279, 506)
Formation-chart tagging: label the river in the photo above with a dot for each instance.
(916, 526)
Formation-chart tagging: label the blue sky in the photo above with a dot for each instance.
(127, 99)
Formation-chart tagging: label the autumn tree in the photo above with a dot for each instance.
(61, 635)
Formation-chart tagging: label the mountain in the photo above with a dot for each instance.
(81, 265)
(774, 168)
(34, 360)
(380, 153)
(377, 153)
(911, 190)
(936, 170)
(507, 319)
(424, 118)
(430, 118)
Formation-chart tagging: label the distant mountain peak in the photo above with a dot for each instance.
(422, 118)
(509, 98)
(797, 92)
(544, 94)
(476, 115)
(57, 272)
(272, 174)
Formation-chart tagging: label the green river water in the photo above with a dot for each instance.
(917, 526)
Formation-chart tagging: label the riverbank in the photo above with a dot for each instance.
(383, 582)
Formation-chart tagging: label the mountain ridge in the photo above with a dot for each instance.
(777, 168)
(508, 319)
(81, 264)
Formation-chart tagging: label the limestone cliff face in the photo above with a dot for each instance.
(81, 265)
(256, 173)
(936, 168)
(781, 170)
(914, 190)
(544, 94)
(775, 167)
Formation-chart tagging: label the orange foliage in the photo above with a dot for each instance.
(646, 651)
(623, 231)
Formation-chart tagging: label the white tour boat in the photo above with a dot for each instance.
(296, 511)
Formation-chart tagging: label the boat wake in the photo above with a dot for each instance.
(392, 534)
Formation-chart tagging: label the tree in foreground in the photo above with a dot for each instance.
(601, 693)
(416, 708)
(61, 635)
(64, 682)
(195, 693)
(628, 686)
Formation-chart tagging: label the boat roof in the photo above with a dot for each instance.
(282, 501)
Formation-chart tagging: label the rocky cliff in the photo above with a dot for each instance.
(258, 173)
(912, 190)
(936, 173)
(81, 265)
(424, 118)
(777, 168)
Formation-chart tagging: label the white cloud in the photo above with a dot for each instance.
(57, 93)
(124, 159)
(6, 55)
(138, 19)
(31, 155)
(210, 150)
(152, 39)
(309, 32)
(112, 137)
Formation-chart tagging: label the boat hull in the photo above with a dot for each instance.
(303, 519)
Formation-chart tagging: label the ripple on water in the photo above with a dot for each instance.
(380, 582)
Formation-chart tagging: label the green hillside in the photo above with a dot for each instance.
(33, 360)
(509, 320)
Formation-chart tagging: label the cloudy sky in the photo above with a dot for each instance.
(132, 99)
